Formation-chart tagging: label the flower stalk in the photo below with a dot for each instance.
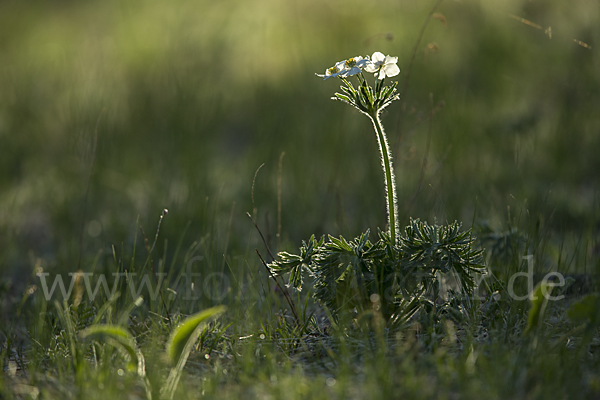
(390, 178)
(371, 101)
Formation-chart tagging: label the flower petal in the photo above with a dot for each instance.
(341, 65)
(378, 57)
(349, 72)
(363, 63)
(391, 70)
(390, 60)
(371, 68)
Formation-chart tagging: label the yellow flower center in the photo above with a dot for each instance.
(333, 70)
(351, 62)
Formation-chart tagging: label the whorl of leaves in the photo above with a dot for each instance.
(442, 248)
(347, 273)
(365, 99)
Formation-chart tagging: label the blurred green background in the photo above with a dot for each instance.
(188, 98)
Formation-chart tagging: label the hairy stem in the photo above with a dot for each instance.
(390, 179)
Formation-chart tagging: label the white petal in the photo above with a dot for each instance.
(391, 60)
(391, 70)
(349, 72)
(377, 56)
(363, 63)
(381, 74)
(370, 67)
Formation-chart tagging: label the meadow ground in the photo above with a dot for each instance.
(112, 111)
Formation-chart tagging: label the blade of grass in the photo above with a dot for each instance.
(180, 345)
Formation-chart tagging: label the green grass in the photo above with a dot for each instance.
(112, 111)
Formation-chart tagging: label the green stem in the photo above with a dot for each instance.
(390, 179)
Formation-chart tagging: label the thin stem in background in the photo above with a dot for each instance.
(87, 189)
(280, 169)
(253, 182)
(283, 289)
(149, 250)
(409, 68)
(426, 155)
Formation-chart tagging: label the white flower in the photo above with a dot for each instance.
(354, 66)
(331, 72)
(382, 66)
(346, 68)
